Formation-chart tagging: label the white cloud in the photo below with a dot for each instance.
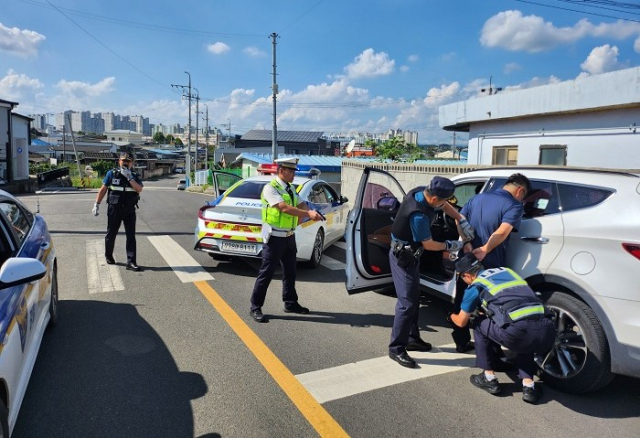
(413, 58)
(512, 31)
(370, 64)
(404, 68)
(218, 48)
(23, 43)
(15, 86)
(79, 95)
(254, 51)
(448, 56)
(511, 67)
(636, 45)
(601, 60)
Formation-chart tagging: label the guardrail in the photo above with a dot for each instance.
(53, 174)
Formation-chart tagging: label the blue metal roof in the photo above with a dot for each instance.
(322, 162)
(284, 136)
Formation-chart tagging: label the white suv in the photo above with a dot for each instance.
(578, 246)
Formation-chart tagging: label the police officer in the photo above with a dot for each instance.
(512, 316)
(410, 235)
(122, 187)
(281, 209)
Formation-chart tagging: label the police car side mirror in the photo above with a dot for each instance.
(343, 199)
(20, 270)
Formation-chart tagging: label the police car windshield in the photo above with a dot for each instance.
(250, 190)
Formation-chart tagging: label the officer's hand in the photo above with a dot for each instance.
(96, 207)
(126, 172)
(315, 215)
(467, 230)
(453, 245)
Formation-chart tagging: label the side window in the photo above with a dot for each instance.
(318, 196)
(574, 197)
(331, 195)
(466, 191)
(505, 155)
(542, 200)
(17, 219)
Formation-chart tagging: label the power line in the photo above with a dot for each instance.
(576, 10)
(303, 14)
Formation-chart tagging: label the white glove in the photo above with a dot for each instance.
(96, 207)
(126, 172)
(468, 231)
(453, 245)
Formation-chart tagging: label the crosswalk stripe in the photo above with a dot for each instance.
(333, 264)
(367, 375)
(101, 277)
(186, 267)
(341, 245)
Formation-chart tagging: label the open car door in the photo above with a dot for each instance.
(368, 234)
(222, 180)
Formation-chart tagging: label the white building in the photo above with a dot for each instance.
(124, 135)
(589, 122)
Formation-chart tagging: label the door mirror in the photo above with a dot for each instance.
(388, 203)
(343, 199)
(20, 270)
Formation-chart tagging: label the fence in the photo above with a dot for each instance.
(50, 175)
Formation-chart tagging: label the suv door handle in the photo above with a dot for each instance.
(44, 246)
(541, 240)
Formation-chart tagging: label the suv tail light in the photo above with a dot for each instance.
(633, 249)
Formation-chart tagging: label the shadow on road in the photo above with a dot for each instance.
(104, 372)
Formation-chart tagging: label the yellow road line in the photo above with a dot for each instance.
(313, 411)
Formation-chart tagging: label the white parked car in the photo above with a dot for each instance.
(28, 300)
(578, 246)
(231, 225)
(182, 184)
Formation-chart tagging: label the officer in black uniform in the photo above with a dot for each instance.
(410, 235)
(122, 187)
(511, 316)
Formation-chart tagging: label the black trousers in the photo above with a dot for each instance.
(279, 250)
(116, 215)
(405, 322)
(461, 335)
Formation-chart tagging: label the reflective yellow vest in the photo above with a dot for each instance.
(275, 217)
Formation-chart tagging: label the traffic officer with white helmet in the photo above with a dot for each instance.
(410, 235)
(281, 209)
(122, 187)
(511, 316)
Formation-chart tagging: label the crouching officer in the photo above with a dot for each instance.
(122, 187)
(410, 235)
(512, 316)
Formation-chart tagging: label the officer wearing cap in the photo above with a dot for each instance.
(410, 235)
(512, 316)
(122, 187)
(281, 209)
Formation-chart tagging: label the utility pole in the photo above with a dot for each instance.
(274, 88)
(75, 151)
(64, 141)
(228, 128)
(197, 126)
(188, 160)
(453, 155)
(206, 136)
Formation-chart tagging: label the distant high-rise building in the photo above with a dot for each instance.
(109, 121)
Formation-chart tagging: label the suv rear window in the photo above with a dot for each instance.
(574, 197)
(250, 189)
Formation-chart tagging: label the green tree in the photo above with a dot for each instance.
(158, 137)
(102, 167)
(178, 142)
(169, 139)
(395, 149)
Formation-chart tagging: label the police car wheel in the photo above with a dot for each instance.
(53, 304)
(579, 361)
(4, 420)
(318, 248)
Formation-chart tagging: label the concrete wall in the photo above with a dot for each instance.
(408, 175)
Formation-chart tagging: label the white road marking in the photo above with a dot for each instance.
(367, 375)
(185, 266)
(341, 245)
(333, 264)
(101, 277)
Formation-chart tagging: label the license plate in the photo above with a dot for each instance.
(240, 247)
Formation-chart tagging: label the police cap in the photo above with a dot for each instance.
(126, 156)
(466, 263)
(442, 187)
(289, 163)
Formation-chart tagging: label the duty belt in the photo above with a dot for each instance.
(282, 233)
(397, 246)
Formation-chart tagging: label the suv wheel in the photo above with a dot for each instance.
(579, 360)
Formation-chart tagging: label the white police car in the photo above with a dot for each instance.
(231, 225)
(28, 300)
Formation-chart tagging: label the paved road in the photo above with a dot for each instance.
(172, 351)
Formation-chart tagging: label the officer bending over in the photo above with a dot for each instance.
(122, 187)
(410, 235)
(512, 316)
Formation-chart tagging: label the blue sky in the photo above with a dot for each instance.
(343, 66)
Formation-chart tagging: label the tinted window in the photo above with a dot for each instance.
(251, 189)
(19, 220)
(318, 195)
(331, 194)
(541, 201)
(466, 191)
(574, 197)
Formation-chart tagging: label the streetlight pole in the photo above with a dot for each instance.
(197, 127)
(206, 136)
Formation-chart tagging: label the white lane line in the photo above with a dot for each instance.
(333, 264)
(101, 277)
(185, 266)
(341, 245)
(367, 375)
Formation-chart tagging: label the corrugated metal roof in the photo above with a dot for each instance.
(288, 136)
(322, 162)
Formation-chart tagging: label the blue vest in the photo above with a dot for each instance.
(506, 297)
